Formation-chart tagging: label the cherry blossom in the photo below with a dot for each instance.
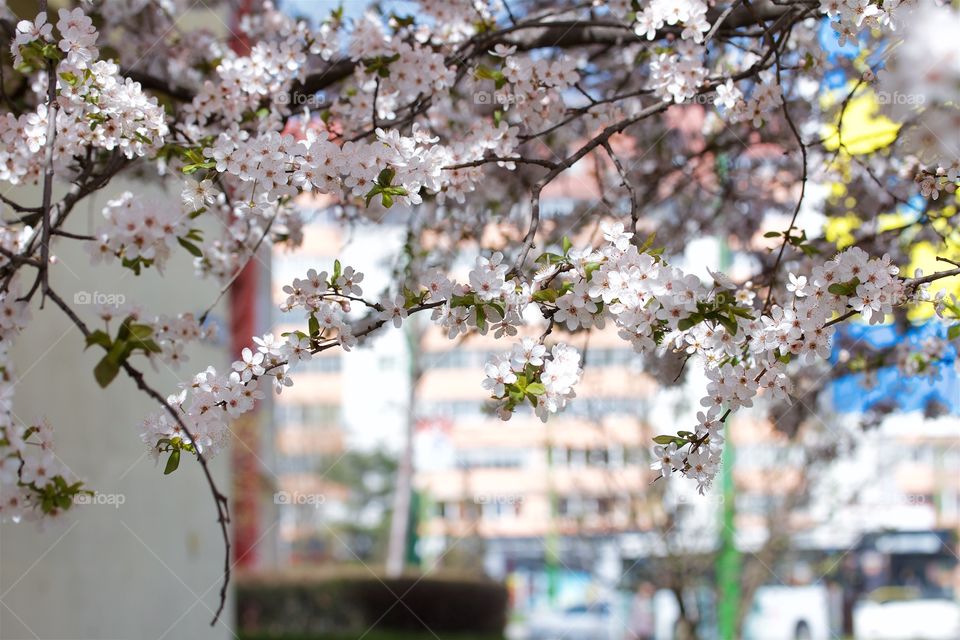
(551, 166)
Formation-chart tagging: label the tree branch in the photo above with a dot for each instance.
(221, 501)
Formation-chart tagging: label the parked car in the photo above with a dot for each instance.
(789, 613)
(581, 622)
(902, 613)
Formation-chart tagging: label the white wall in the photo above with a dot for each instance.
(374, 420)
(151, 567)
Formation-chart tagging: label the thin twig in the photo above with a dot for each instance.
(634, 206)
(803, 176)
(236, 274)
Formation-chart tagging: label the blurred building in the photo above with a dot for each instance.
(576, 495)
(340, 403)
(517, 483)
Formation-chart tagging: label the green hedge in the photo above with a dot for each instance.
(321, 604)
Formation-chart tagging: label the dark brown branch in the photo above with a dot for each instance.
(44, 275)
(487, 160)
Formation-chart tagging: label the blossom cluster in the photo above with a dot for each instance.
(532, 90)
(205, 406)
(744, 349)
(211, 400)
(692, 14)
(430, 109)
(489, 300)
(529, 373)
(677, 74)
(326, 301)
(137, 232)
(96, 106)
(850, 17)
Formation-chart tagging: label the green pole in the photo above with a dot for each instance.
(728, 560)
(551, 550)
(417, 506)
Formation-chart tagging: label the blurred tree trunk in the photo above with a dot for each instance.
(400, 518)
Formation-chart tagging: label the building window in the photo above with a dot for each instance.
(307, 414)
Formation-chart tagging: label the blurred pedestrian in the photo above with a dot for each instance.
(642, 616)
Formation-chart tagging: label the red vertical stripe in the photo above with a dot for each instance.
(243, 324)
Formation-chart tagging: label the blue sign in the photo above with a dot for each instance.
(911, 393)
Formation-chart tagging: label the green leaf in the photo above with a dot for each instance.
(149, 346)
(689, 322)
(385, 177)
(729, 323)
(550, 258)
(410, 298)
(462, 301)
(567, 245)
(135, 264)
(484, 73)
(667, 439)
(196, 166)
(99, 337)
(545, 295)
(374, 191)
(648, 242)
(772, 234)
(314, 325)
(192, 248)
(141, 331)
(52, 52)
(121, 349)
(953, 332)
(106, 370)
(172, 462)
(124, 332)
(536, 388)
(844, 288)
(590, 268)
